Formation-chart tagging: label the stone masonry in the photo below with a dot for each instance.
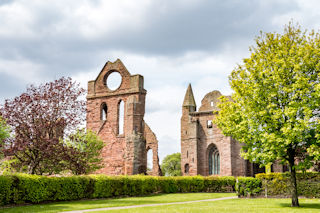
(199, 135)
(124, 153)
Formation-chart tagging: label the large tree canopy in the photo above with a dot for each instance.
(39, 118)
(171, 165)
(276, 101)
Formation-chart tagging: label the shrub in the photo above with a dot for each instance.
(5, 189)
(248, 186)
(30, 188)
(168, 185)
(190, 184)
(278, 184)
(219, 184)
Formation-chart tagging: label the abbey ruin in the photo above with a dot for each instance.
(117, 115)
(204, 149)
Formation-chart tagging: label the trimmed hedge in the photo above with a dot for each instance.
(248, 186)
(23, 188)
(5, 189)
(278, 184)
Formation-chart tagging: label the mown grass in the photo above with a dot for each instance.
(92, 204)
(255, 205)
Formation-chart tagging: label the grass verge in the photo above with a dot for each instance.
(101, 203)
(260, 205)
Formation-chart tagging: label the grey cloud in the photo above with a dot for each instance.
(4, 2)
(207, 26)
(54, 55)
(10, 87)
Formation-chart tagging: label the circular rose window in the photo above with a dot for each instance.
(114, 80)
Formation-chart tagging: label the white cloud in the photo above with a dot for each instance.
(16, 21)
(90, 19)
(307, 15)
(107, 17)
(23, 70)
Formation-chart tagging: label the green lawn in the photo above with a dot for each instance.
(259, 205)
(92, 204)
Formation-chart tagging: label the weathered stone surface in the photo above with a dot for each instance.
(197, 137)
(124, 153)
(152, 143)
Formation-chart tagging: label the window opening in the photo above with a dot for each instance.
(149, 160)
(214, 161)
(104, 112)
(186, 168)
(121, 117)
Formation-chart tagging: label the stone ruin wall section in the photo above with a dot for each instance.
(123, 154)
(152, 143)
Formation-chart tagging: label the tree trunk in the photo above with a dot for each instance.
(293, 179)
(31, 169)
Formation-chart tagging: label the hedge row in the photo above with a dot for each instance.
(278, 185)
(23, 188)
(248, 186)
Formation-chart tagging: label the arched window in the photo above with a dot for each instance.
(214, 161)
(149, 160)
(120, 117)
(104, 112)
(186, 168)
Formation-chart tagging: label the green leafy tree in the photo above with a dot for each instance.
(4, 133)
(11, 165)
(276, 101)
(84, 152)
(171, 165)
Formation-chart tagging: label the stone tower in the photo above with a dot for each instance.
(204, 149)
(116, 115)
(189, 135)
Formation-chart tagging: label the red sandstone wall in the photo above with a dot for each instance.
(197, 138)
(123, 153)
(152, 143)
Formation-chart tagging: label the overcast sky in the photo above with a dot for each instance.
(171, 43)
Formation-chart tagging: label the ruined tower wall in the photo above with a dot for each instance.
(152, 143)
(124, 152)
(189, 141)
(189, 136)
